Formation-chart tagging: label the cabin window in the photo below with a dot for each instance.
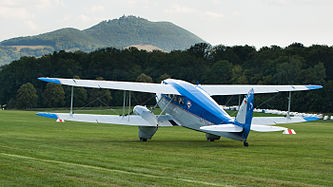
(181, 100)
(174, 98)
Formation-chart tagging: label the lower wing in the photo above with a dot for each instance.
(223, 128)
(261, 124)
(235, 128)
(280, 120)
(264, 124)
(132, 120)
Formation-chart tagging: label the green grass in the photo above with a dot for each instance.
(36, 151)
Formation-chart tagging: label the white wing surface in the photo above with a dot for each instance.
(117, 85)
(244, 89)
(223, 128)
(265, 128)
(280, 120)
(131, 120)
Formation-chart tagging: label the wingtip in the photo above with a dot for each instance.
(311, 118)
(52, 80)
(47, 115)
(314, 87)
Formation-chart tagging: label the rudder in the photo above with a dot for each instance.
(245, 113)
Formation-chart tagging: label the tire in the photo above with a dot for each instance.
(143, 139)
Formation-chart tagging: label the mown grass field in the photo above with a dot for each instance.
(36, 151)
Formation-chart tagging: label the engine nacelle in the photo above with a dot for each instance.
(146, 133)
(146, 114)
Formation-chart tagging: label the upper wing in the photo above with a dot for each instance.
(244, 89)
(280, 120)
(117, 85)
(132, 120)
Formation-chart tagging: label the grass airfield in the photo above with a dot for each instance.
(36, 151)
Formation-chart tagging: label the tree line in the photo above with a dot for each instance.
(294, 64)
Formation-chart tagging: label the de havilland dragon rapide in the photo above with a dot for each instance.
(187, 105)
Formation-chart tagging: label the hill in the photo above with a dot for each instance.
(118, 33)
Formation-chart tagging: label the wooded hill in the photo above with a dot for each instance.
(294, 64)
(118, 33)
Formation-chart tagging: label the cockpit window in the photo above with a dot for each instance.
(176, 98)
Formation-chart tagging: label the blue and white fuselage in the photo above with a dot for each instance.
(194, 108)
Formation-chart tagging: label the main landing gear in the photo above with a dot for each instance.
(143, 139)
(245, 144)
(211, 137)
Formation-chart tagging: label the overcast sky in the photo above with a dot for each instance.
(229, 22)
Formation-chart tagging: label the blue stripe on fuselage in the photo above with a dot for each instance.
(202, 104)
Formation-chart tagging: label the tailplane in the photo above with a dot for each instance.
(244, 115)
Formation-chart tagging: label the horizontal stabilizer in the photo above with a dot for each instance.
(281, 120)
(132, 120)
(265, 128)
(223, 128)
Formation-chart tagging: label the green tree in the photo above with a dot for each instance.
(144, 98)
(200, 50)
(220, 72)
(289, 72)
(26, 96)
(53, 95)
(164, 76)
(238, 76)
(99, 97)
(315, 74)
(80, 95)
(144, 78)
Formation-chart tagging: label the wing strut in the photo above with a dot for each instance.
(72, 98)
(129, 103)
(289, 101)
(165, 107)
(124, 102)
(239, 101)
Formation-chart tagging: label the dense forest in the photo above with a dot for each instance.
(295, 64)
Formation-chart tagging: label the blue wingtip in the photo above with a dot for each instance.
(52, 80)
(47, 115)
(311, 118)
(313, 87)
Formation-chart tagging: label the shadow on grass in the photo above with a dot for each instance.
(164, 143)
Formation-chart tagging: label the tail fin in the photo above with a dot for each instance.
(244, 115)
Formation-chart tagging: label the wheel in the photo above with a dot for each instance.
(245, 144)
(143, 139)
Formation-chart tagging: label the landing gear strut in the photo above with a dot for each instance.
(143, 139)
(211, 137)
(245, 144)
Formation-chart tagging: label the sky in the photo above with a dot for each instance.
(228, 22)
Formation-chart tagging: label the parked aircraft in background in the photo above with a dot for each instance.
(188, 105)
